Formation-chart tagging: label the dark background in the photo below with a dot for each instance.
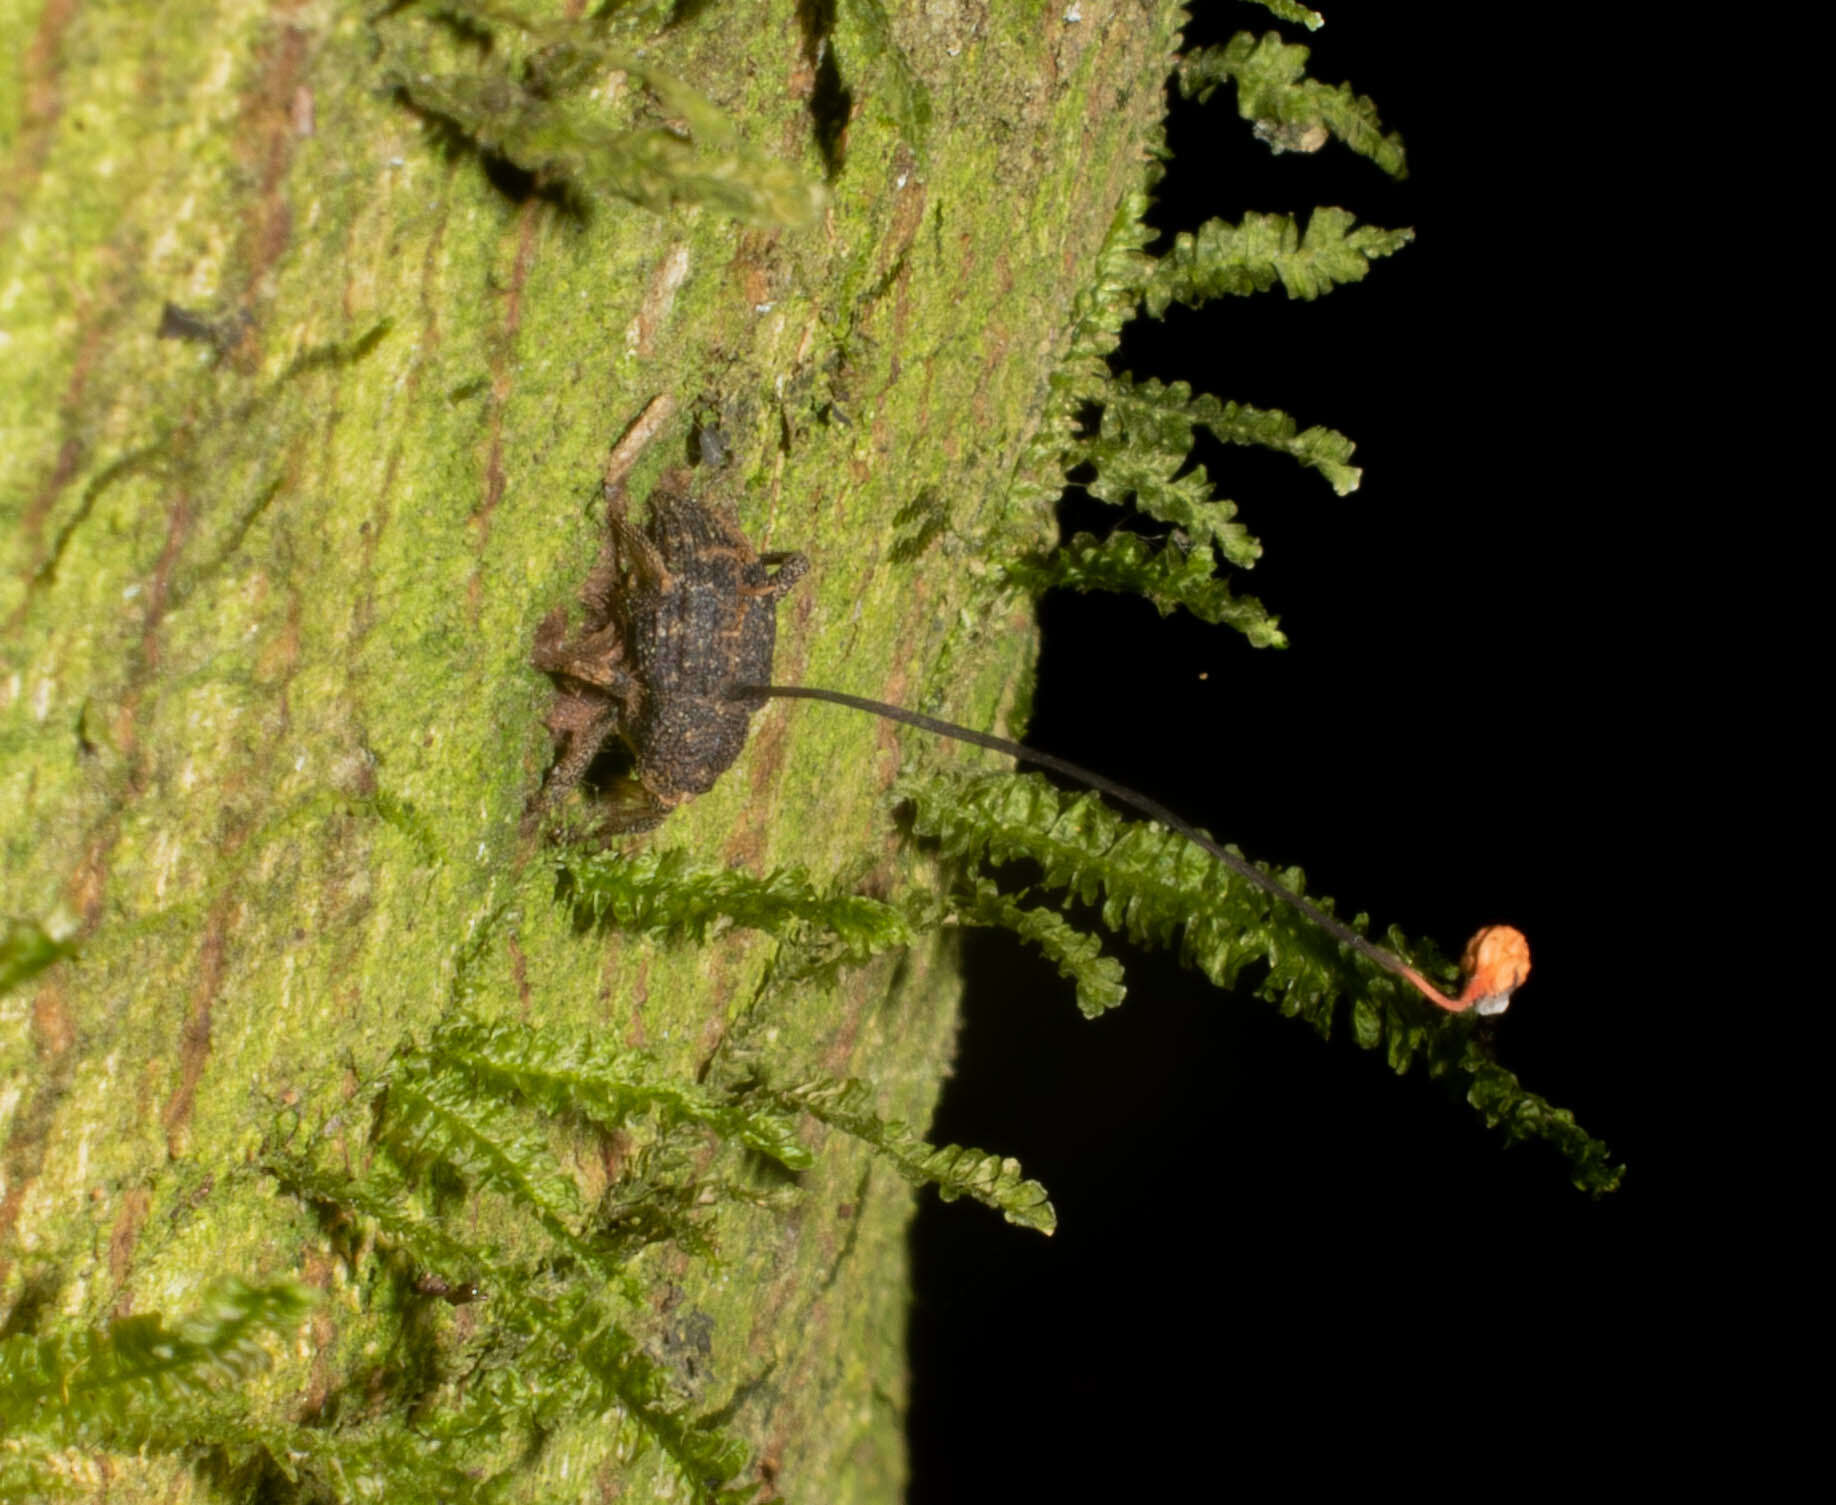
(1272, 1253)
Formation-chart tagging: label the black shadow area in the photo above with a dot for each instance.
(1275, 1258)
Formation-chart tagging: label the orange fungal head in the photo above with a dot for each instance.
(1496, 962)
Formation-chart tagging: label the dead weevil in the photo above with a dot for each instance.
(676, 613)
(675, 656)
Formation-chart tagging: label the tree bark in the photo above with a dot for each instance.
(269, 586)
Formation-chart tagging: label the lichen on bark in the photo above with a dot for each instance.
(267, 593)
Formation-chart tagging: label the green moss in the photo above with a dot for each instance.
(267, 727)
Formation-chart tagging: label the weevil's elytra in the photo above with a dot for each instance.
(675, 613)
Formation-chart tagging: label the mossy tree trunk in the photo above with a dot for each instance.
(268, 590)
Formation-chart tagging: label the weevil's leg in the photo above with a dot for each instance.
(594, 661)
(626, 548)
(791, 567)
(637, 562)
(582, 725)
(594, 658)
(549, 652)
(551, 633)
(600, 589)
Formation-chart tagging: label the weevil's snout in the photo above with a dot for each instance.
(1496, 963)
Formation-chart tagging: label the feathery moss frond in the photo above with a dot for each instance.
(1077, 954)
(955, 1170)
(558, 1352)
(669, 896)
(386, 1203)
(559, 1074)
(380, 1461)
(570, 1357)
(1289, 10)
(1097, 316)
(652, 167)
(1253, 256)
(1159, 417)
(704, 1456)
(1139, 454)
(1102, 308)
(439, 1118)
(104, 1383)
(1160, 890)
(1151, 884)
(1520, 1115)
(665, 1193)
(1144, 441)
(1290, 111)
(547, 117)
(1166, 574)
